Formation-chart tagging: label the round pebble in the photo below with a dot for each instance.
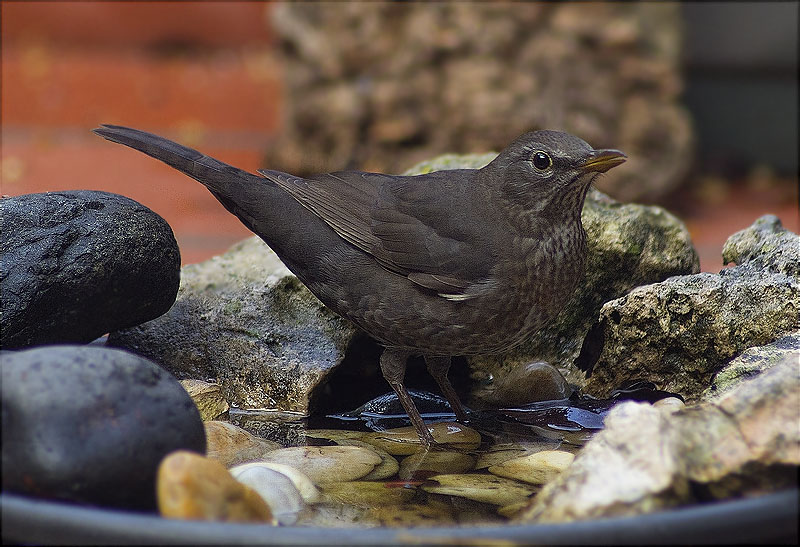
(483, 488)
(325, 464)
(91, 424)
(538, 468)
(231, 445)
(423, 464)
(404, 441)
(194, 487)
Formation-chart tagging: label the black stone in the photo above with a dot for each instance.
(79, 264)
(91, 424)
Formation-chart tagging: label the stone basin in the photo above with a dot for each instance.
(771, 518)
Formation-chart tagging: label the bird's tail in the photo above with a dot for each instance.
(293, 232)
(212, 173)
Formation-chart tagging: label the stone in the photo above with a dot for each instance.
(424, 464)
(325, 464)
(752, 362)
(529, 383)
(669, 404)
(305, 487)
(388, 466)
(413, 514)
(275, 488)
(538, 468)
(194, 487)
(366, 494)
(285, 428)
(766, 414)
(78, 264)
(609, 73)
(483, 488)
(91, 424)
(499, 453)
(335, 435)
(245, 320)
(403, 441)
(745, 442)
(231, 445)
(625, 469)
(512, 509)
(679, 333)
(337, 516)
(208, 398)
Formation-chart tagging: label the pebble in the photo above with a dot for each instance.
(231, 445)
(431, 513)
(403, 441)
(498, 453)
(275, 488)
(194, 487)
(366, 493)
(478, 487)
(324, 464)
(423, 464)
(334, 435)
(388, 466)
(512, 509)
(529, 383)
(300, 480)
(669, 404)
(207, 397)
(538, 468)
(91, 424)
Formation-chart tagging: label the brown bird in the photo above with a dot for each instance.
(460, 262)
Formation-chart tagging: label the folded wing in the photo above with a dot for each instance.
(405, 223)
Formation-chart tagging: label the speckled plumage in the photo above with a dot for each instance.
(447, 263)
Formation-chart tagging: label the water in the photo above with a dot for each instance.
(450, 483)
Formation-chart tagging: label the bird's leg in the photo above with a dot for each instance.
(393, 366)
(438, 365)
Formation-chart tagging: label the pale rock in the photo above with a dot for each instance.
(404, 441)
(483, 488)
(538, 468)
(324, 464)
(194, 487)
(232, 445)
(207, 398)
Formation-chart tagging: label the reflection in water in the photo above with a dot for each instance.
(482, 473)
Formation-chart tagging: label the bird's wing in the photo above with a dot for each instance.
(420, 227)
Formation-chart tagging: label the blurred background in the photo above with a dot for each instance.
(701, 96)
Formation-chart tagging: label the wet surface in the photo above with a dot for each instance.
(573, 419)
(481, 472)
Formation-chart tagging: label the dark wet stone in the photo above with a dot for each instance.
(79, 264)
(91, 424)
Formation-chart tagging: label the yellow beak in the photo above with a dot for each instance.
(603, 160)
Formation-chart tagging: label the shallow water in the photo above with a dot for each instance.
(450, 483)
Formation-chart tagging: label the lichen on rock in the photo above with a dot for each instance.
(680, 332)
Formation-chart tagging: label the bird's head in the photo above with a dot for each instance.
(549, 172)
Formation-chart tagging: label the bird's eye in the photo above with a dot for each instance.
(541, 161)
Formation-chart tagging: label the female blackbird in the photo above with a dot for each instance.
(459, 262)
